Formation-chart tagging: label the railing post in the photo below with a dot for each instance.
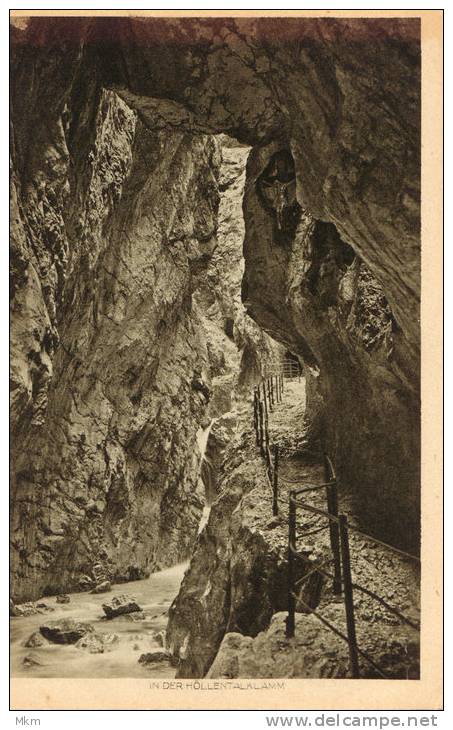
(275, 482)
(261, 419)
(265, 399)
(332, 508)
(291, 618)
(255, 416)
(329, 473)
(348, 596)
(269, 463)
(272, 389)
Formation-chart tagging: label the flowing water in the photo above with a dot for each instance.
(154, 595)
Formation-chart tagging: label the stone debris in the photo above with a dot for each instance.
(36, 639)
(66, 631)
(63, 598)
(29, 609)
(153, 657)
(98, 643)
(92, 643)
(104, 587)
(120, 605)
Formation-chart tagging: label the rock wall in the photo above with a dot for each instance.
(113, 225)
(240, 352)
(342, 96)
(228, 618)
(310, 289)
(237, 575)
(106, 255)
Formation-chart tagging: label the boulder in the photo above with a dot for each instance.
(136, 616)
(86, 583)
(103, 587)
(66, 631)
(29, 662)
(29, 609)
(36, 639)
(92, 643)
(120, 605)
(63, 598)
(153, 657)
(26, 609)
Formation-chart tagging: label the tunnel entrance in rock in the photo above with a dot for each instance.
(291, 366)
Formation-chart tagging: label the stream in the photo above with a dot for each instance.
(154, 595)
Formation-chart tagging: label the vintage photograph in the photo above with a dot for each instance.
(215, 347)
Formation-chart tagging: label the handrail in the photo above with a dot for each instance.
(334, 518)
(339, 633)
(370, 593)
(346, 583)
(265, 397)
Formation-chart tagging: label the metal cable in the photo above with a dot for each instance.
(370, 593)
(334, 518)
(339, 633)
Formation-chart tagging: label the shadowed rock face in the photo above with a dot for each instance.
(344, 94)
(309, 288)
(106, 252)
(113, 236)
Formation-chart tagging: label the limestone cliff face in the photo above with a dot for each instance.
(240, 352)
(237, 575)
(310, 289)
(113, 225)
(342, 96)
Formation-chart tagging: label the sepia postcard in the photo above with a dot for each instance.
(226, 359)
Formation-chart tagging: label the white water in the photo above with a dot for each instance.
(202, 440)
(154, 595)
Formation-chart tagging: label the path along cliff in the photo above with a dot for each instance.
(229, 617)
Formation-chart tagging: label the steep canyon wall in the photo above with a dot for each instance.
(115, 200)
(113, 225)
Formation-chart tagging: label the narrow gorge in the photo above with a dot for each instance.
(199, 205)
